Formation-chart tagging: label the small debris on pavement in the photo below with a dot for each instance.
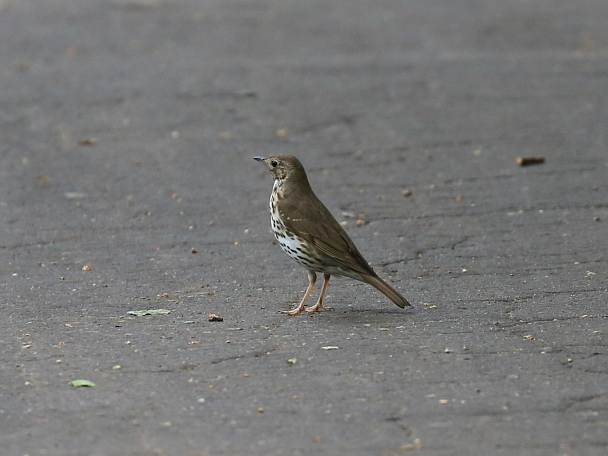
(214, 317)
(87, 142)
(82, 383)
(527, 161)
(141, 313)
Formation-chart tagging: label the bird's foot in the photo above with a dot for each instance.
(318, 306)
(293, 312)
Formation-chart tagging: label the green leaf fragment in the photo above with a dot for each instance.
(78, 383)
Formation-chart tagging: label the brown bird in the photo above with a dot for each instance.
(309, 234)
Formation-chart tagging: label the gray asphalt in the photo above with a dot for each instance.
(127, 129)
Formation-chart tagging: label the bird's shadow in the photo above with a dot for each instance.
(357, 316)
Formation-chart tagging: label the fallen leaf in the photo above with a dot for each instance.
(80, 383)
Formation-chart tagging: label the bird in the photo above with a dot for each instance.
(307, 231)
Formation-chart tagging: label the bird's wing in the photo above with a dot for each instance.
(311, 220)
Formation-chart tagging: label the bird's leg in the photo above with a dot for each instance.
(319, 304)
(312, 278)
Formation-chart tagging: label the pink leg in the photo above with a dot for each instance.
(319, 304)
(312, 278)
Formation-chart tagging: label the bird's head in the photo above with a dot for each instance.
(284, 167)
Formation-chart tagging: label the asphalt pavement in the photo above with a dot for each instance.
(127, 186)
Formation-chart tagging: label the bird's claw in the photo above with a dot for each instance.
(293, 312)
(316, 308)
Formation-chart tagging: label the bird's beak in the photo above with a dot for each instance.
(260, 159)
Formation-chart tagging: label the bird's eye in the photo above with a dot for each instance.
(274, 163)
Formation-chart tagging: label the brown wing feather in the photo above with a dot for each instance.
(326, 234)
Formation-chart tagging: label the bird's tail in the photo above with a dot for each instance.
(387, 290)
